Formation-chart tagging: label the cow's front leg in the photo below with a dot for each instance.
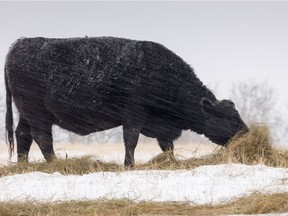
(131, 136)
(166, 146)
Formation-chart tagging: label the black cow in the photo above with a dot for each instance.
(87, 85)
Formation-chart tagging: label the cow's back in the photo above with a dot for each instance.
(91, 82)
(84, 82)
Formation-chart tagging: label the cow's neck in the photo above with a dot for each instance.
(194, 117)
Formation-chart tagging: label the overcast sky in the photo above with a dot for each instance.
(225, 42)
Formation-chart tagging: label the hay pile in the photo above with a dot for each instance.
(165, 160)
(253, 148)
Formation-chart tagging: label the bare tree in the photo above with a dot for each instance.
(257, 102)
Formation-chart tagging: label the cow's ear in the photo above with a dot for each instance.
(207, 105)
(228, 103)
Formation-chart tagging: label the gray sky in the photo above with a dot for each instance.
(225, 42)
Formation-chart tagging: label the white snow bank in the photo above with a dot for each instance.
(203, 185)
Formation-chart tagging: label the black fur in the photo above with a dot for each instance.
(87, 85)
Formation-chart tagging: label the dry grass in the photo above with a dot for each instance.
(252, 148)
(255, 147)
(77, 166)
(254, 204)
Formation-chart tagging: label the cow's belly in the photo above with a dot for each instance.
(83, 121)
(161, 129)
(83, 127)
(82, 115)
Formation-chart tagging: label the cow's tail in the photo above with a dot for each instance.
(9, 116)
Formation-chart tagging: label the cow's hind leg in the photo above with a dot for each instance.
(24, 140)
(41, 130)
(43, 137)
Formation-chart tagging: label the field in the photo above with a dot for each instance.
(201, 180)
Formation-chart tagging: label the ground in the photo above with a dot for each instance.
(204, 185)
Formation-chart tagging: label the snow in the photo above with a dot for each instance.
(213, 184)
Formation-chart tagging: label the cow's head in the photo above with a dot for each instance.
(221, 121)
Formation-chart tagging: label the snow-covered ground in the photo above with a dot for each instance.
(203, 185)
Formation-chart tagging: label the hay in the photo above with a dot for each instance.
(256, 203)
(71, 166)
(254, 147)
(165, 160)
